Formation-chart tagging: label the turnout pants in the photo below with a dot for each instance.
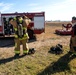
(22, 41)
(72, 44)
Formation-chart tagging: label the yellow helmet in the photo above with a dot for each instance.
(20, 20)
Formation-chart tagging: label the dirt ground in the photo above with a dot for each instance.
(48, 38)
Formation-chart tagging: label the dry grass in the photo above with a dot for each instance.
(42, 62)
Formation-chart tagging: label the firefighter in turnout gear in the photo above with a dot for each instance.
(73, 37)
(21, 36)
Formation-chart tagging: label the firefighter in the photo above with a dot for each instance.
(20, 27)
(73, 37)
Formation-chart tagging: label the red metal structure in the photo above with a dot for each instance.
(66, 29)
(37, 25)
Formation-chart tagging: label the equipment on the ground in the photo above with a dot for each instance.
(66, 29)
(58, 49)
(32, 51)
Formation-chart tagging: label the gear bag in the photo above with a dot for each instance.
(58, 49)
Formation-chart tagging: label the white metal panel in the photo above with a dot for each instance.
(39, 22)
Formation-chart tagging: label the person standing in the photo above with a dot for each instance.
(21, 35)
(73, 36)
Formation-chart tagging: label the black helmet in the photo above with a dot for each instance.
(73, 18)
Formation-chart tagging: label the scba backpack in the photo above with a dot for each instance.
(20, 28)
(58, 49)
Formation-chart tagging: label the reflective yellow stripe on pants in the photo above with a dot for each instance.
(17, 52)
(25, 51)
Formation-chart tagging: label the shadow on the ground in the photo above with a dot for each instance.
(58, 66)
(7, 42)
(3, 61)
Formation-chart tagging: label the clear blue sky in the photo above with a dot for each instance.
(54, 9)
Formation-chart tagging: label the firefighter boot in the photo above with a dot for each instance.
(74, 50)
(31, 51)
(16, 55)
